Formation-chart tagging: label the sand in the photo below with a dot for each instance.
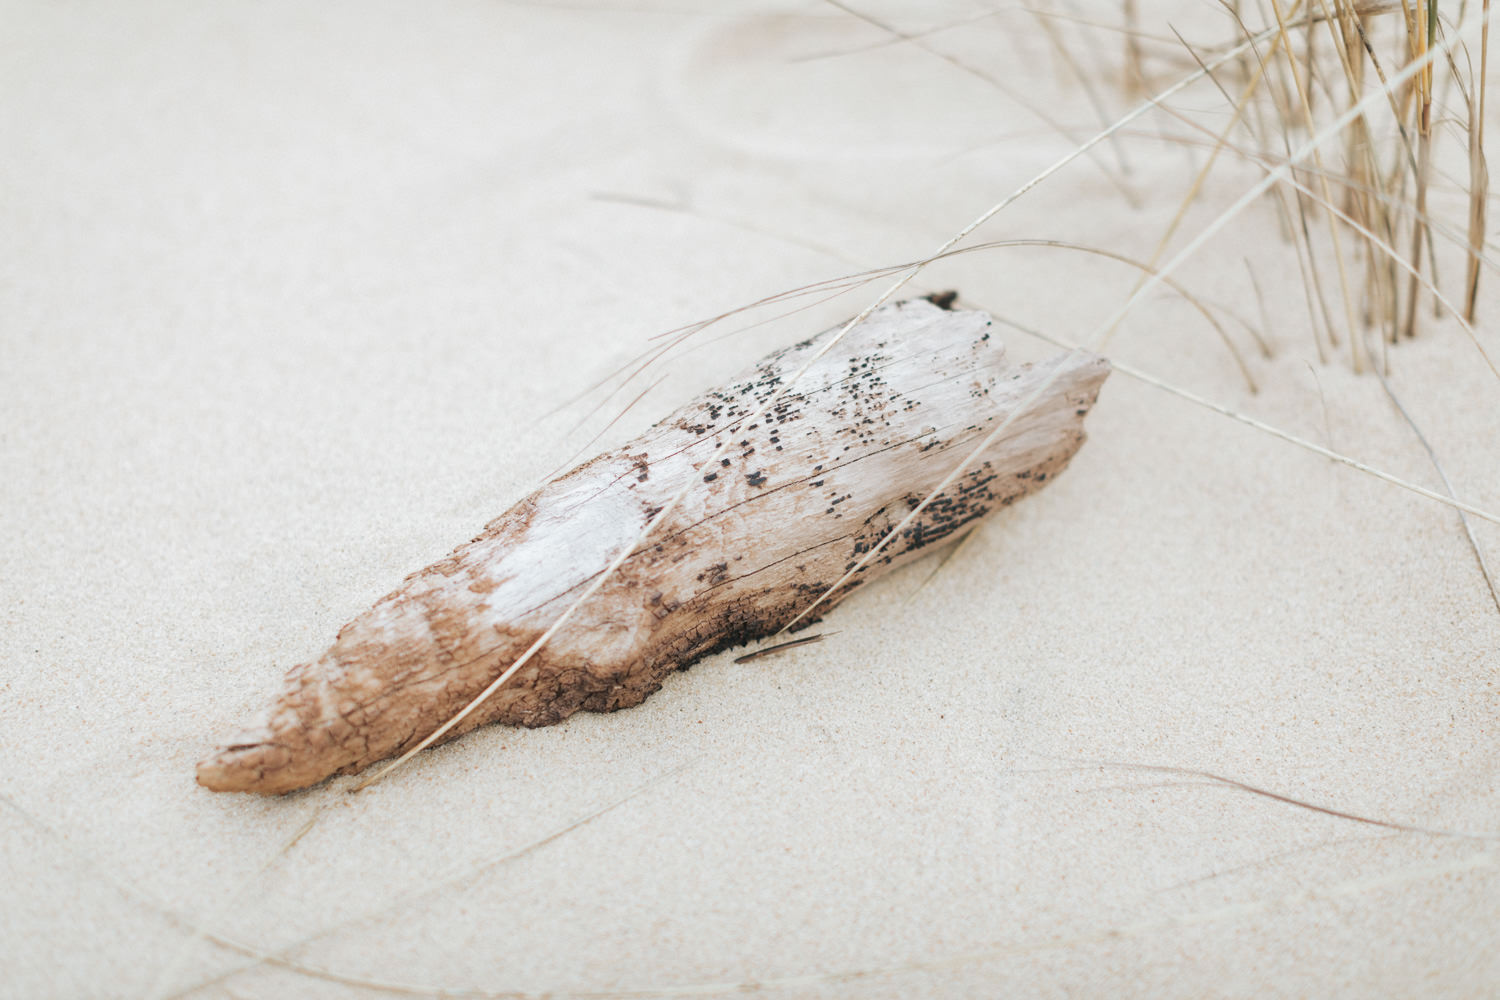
(292, 295)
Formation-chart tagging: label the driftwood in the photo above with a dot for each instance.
(811, 482)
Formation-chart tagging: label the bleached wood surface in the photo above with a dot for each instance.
(815, 473)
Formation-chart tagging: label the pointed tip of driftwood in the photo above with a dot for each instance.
(250, 764)
(221, 773)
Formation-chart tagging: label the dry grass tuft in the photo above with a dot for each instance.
(1367, 76)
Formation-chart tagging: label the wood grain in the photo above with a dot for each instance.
(811, 481)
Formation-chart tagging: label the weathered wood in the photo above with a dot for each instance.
(810, 483)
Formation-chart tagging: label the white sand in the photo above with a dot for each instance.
(288, 293)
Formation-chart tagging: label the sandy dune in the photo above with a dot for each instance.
(291, 296)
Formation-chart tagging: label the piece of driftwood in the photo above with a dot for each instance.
(811, 481)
